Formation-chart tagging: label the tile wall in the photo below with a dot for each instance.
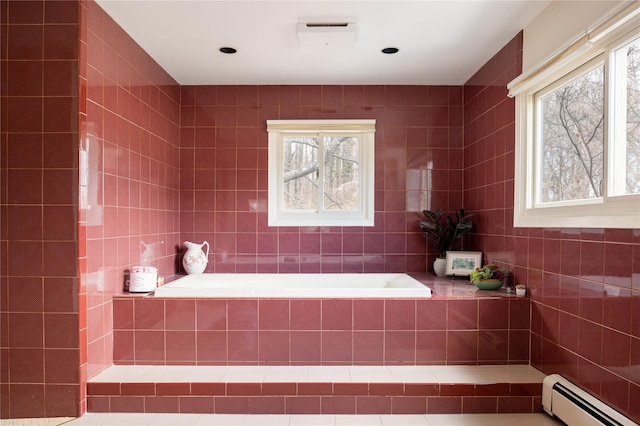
(585, 283)
(130, 138)
(223, 175)
(39, 311)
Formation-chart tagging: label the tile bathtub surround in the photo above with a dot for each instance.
(321, 331)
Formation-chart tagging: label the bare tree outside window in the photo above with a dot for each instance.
(633, 117)
(339, 156)
(572, 148)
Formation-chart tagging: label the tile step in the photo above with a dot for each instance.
(316, 389)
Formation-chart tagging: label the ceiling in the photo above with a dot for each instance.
(441, 42)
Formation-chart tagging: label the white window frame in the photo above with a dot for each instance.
(610, 211)
(278, 216)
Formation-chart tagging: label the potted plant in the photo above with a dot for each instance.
(521, 290)
(444, 233)
(488, 277)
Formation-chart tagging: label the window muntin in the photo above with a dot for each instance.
(321, 172)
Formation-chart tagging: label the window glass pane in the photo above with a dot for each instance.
(341, 172)
(571, 150)
(632, 51)
(300, 189)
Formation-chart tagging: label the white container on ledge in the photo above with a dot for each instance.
(195, 260)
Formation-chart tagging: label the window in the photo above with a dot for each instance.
(578, 134)
(321, 172)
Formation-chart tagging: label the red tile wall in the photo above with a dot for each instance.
(469, 331)
(130, 134)
(585, 283)
(223, 175)
(39, 311)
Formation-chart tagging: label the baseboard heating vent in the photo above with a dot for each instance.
(575, 407)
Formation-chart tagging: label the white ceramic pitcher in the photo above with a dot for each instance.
(195, 260)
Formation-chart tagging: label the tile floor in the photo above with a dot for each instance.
(124, 419)
(382, 374)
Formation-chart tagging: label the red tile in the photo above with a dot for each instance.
(492, 389)
(431, 347)
(234, 389)
(386, 388)
(493, 346)
(400, 347)
(444, 405)
(302, 404)
(462, 346)
(409, 405)
(368, 347)
(306, 346)
(149, 314)
(338, 405)
(480, 404)
(515, 404)
(211, 314)
(337, 347)
(350, 389)
(103, 388)
(373, 405)
(493, 314)
(273, 346)
(368, 314)
(180, 314)
(462, 315)
(204, 388)
(97, 404)
(243, 346)
(137, 389)
(211, 347)
(274, 314)
(242, 314)
(232, 405)
(279, 388)
(431, 314)
(337, 314)
(149, 346)
(172, 389)
(267, 405)
(196, 404)
(160, 404)
(311, 388)
(400, 315)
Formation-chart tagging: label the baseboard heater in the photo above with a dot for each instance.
(575, 407)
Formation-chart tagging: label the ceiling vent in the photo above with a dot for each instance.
(327, 36)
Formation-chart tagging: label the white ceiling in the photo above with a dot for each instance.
(441, 42)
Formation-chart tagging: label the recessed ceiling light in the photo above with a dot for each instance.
(390, 50)
(228, 50)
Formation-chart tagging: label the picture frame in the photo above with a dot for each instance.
(461, 263)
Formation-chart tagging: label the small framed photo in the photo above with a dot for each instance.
(461, 263)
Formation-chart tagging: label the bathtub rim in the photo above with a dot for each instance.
(412, 289)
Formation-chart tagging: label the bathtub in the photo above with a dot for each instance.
(289, 286)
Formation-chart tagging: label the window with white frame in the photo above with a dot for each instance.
(321, 172)
(578, 134)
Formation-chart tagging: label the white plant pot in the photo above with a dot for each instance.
(440, 266)
(521, 291)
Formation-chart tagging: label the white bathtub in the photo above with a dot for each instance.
(295, 286)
